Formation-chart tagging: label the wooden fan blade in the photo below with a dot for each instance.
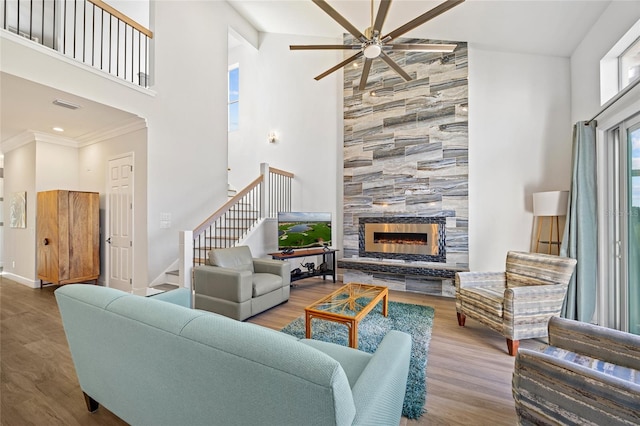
(447, 48)
(382, 14)
(340, 65)
(438, 10)
(365, 73)
(340, 20)
(395, 66)
(324, 47)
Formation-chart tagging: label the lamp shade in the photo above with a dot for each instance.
(550, 203)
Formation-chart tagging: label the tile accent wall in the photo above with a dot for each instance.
(406, 154)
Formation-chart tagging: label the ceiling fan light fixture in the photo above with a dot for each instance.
(372, 43)
(372, 51)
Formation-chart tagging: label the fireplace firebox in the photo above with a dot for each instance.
(407, 238)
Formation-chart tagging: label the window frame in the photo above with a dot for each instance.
(233, 103)
(624, 81)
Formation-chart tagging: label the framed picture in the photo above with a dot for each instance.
(18, 210)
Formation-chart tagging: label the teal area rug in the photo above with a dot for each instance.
(415, 320)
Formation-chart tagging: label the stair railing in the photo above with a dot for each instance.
(263, 198)
(89, 31)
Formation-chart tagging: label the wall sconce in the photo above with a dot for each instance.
(272, 138)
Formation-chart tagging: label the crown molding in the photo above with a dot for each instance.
(124, 127)
(28, 136)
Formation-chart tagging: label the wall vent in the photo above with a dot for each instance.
(65, 104)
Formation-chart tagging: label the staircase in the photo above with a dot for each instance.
(231, 228)
(263, 198)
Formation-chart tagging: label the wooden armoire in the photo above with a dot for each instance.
(68, 236)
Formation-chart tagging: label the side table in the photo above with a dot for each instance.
(328, 259)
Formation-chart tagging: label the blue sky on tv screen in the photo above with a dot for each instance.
(304, 217)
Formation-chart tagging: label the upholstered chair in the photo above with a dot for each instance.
(587, 375)
(236, 285)
(519, 302)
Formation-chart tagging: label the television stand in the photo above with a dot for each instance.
(325, 253)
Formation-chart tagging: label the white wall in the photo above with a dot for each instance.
(185, 111)
(521, 112)
(186, 114)
(187, 150)
(585, 61)
(519, 143)
(520, 122)
(92, 170)
(262, 240)
(58, 163)
(616, 20)
(278, 93)
(136, 10)
(56, 166)
(41, 163)
(19, 243)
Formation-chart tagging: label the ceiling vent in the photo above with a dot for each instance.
(65, 104)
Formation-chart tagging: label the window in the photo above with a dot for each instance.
(629, 64)
(620, 242)
(233, 100)
(621, 65)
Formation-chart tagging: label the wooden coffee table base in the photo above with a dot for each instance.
(351, 321)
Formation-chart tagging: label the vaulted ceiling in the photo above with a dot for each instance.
(543, 27)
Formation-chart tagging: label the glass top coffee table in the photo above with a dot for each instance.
(347, 305)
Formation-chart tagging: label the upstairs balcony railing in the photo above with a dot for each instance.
(89, 31)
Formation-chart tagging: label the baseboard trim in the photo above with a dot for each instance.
(21, 280)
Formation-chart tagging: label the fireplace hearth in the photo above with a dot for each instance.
(407, 238)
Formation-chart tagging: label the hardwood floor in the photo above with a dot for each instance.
(468, 369)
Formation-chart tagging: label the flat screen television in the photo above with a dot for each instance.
(298, 230)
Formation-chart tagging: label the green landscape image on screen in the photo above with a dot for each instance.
(304, 234)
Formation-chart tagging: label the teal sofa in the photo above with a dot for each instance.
(152, 362)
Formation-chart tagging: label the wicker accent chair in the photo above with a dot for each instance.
(517, 303)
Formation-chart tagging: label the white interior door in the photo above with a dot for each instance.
(119, 241)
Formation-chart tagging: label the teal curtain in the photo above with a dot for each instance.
(580, 239)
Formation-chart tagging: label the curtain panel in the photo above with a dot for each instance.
(580, 239)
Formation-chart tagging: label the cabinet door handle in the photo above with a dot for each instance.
(45, 241)
(109, 240)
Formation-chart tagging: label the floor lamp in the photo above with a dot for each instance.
(552, 205)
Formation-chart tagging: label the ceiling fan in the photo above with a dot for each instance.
(375, 45)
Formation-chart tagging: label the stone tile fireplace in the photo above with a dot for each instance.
(406, 163)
